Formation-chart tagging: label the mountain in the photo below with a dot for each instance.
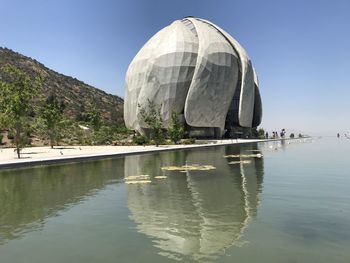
(75, 94)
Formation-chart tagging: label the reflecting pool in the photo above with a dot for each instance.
(267, 202)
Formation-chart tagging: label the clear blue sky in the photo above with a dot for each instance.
(300, 48)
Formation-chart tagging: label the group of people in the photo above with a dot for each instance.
(345, 135)
(275, 134)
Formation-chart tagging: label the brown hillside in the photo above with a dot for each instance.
(76, 94)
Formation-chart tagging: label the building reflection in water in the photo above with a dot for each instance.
(197, 214)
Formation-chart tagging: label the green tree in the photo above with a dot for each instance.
(93, 115)
(153, 119)
(52, 114)
(261, 133)
(176, 131)
(17, 92)
(258, 133)
(105, 135)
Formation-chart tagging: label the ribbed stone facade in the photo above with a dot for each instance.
(195, 68)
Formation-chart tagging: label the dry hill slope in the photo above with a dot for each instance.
(76, 94)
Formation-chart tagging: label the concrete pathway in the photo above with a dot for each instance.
(32, 156)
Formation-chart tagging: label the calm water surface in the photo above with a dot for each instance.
(291, 205)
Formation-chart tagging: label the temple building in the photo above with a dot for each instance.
(198, 70)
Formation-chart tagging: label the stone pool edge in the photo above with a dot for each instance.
(24, 163)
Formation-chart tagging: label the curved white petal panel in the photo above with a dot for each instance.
(164, 72)
(137, 77)
(214, 80)
(245, 112)
(246, 103)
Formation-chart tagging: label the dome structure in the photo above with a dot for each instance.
(196, 69)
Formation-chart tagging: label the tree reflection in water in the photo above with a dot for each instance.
(29, 196)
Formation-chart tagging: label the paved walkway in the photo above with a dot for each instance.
(63, 154)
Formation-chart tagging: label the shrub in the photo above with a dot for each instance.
(291, 135)
(25, 140)
(104, 135)
(258, 133)
(140, 140)
(188, 141)
(10, 135)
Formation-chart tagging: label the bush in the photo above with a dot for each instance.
(10, 135)
(25, 140)
(122, 130)
(291, 135)
(102, 136)
(188, 141)
(80, 136)
(140, 140)
(258, 133)
(205, 142)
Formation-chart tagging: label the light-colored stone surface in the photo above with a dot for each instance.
(193, 67)
(246, 102)
(161, 72)
(43, 154)
(214, 80)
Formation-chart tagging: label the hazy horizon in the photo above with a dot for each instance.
(299, 48)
